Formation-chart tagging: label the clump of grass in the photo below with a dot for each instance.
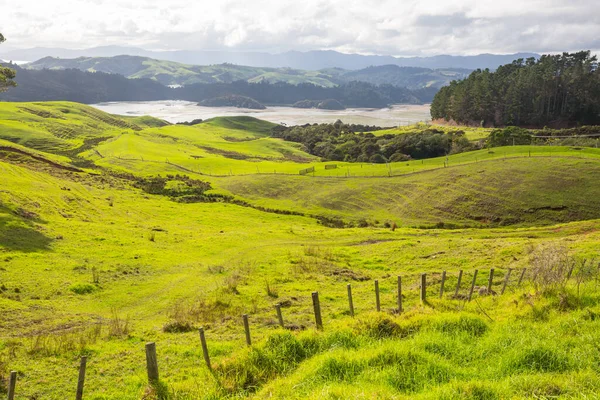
(468, 324)
(117, 326)
(82, 288)
(95, 275)
(410, 371)
(381, 326)
(537, 359)
(61, 343)
(215, 269)
(550, 267)
(180, 320)
(271, 292)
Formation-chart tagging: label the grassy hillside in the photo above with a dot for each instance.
(90, 264)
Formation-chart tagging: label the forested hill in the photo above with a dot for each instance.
(95, 87)
(81, 87)
(556, 90)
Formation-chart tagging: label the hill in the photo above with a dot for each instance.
(99, 255)
(309, 60)
(79, 86)
(409, 77)
(172, 73)
(94, 87)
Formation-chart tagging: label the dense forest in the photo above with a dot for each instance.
(95, 87)
(341, 142)
(82, 87)
(353, 94)
(556, 90)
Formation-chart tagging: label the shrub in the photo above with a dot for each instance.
(82, 288)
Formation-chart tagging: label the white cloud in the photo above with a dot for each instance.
(395, 27)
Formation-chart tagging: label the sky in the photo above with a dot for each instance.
(397, 27)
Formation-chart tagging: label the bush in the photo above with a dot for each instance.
(82, 288)
(511, 135)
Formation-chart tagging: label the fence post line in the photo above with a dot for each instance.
(399, 294)
(204, 348)
(522, 276)
(317, 309)
(423, 288)
(490, 281)
(350, 302)
(247, 329)
(473, 284)
(81, 380)
(151, 363)
(12, 383)
(279, 315)
(377, 301)
(506, 278)
(442, 284)
(460, 274)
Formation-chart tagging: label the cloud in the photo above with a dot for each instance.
(409, 27)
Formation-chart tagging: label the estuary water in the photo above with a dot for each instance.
(181, 111)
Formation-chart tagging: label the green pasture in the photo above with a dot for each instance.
(91, 265)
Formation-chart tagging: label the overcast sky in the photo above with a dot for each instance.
(396, 27)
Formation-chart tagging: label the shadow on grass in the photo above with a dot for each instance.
(19, 235)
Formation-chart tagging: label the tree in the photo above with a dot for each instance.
(6, 74)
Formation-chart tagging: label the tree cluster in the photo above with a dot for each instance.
(554, 90)
(339, 142)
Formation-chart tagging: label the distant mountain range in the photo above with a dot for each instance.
(175, 74)
(311, 60)
(94, 87)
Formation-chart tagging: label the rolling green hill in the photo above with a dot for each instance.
(97, 260)
(172, 73)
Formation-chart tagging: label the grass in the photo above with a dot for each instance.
(91, 266)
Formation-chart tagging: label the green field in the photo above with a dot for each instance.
(91, 265)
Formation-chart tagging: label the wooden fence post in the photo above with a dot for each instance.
(442, 284)
(12, 383)
(81, 380)
(279, 315)
(399, 294)
(377, 302)
(350, 302)
(473, 284)
(522, 276)
(247, 329)
(423, 288)
(317, 308)
(151, 363)
(460, 274)
(204, 348)
(490, 281)
(506, 278)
